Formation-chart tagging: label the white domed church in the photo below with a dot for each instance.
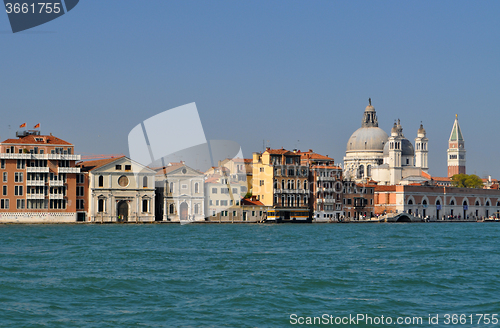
(373, 155)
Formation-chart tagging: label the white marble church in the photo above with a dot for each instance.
(373, 155)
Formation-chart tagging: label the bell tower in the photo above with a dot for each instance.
(456, 150)
(421, 150)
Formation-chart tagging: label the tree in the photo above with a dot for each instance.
(466, 181)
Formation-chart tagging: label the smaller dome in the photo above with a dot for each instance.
(406, 147)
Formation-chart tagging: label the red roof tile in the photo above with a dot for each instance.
(30, 139)
(248, 201)
(92, 165)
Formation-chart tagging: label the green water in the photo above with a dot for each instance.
(245, 275)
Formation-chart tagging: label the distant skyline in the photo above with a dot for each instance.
(295, 74)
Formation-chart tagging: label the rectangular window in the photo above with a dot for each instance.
(20, 204)
(145, 206)
(4, 190)
(223, 203)
(4, 204)
(184, 186)
(128, 167)
(217, 203)
(253, 213)
(80, 178)
(5, 177)
(234, 213)
(237, 202)
(18, 190)
(231, 202)
(224, 190)
(2, 165)
(261, 182)
(211, 202)
(235, 190)
(261, 169)
(214, 190)
(118, 167)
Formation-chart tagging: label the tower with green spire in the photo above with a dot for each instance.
(456, 150)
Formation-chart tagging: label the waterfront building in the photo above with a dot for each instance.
(117, 190)
(224, 192)
(281, 182)
(38, 179)
(325, 181)
(373, 155)
(253, 210)
(180, 193)
(358, 200)
(456, 150)
(437, 202)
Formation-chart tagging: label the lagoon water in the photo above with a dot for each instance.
(245, 275)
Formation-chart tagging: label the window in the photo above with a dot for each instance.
(4, 190)
(196, 208)
(253, 213)
(18, 190)
(145, 182)
(235, 190)
(21, 164)
(217, 203)
(234, 213)
(118, 167)
(4, 204)
(211, 202)
(196, 188)
(184, 186)
(171, 209)
(224, 190)
(18, 177)
(5, 177)
(214, 190)
(79, 204)
(223, 203)
(231, 202)
(101, 181)
(261, 169)
(261, 182)
(128, 167)
(79, 191)
(145, 206)
(100, 205)
(2, 164)
(171, 188)
(20, 204)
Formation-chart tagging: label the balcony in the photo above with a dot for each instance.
(291, 191)
(56, 183)
(35, 182)
(64, 157)
(326, 178)
(14, 156)
(68, 170)
(31, 169)
(35, 196)
(56, 196)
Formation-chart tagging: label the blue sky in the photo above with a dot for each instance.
(296, 74)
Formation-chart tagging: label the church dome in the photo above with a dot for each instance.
(367, 138)
(406, 147)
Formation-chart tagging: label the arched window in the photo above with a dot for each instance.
(282, 200)
(298, 200)
(477, 203)
(361, 172)
(171, 209)
(487, 203)
(196, 189)
(145, 206)
(101, 181)
(145, 182)
(464, 203)
(275, 185)
(368, 170)
(283, 184)
(438, 202)
(424, 202)
(452, 202)
(410, 202)
(288, 184)
(498, 203)
(292, 184)
(100, 205)
(276, 199)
